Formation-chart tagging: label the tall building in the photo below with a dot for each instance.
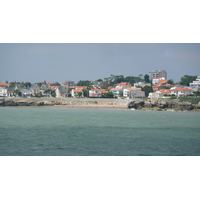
(157, 73)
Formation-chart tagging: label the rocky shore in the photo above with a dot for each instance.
(163, 105)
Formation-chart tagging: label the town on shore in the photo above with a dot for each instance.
(154, 85)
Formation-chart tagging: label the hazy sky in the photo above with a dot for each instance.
(36, 62)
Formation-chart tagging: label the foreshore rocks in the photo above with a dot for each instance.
(161, 105)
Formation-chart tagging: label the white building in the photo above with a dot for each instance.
(133, 92)
(159, 94)
(181, 91)
(3, 92)
(157, 73)
(195, 85)
(156, 80)
(95, 93)
(116, 91)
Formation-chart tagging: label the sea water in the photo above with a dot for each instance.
(48, 131)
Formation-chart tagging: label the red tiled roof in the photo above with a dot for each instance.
(155, 86)
(80, 87)
(165, 91)
(53, 87)
(123, 84)
(4, 84)
(162, 81)
(103, 91)
(78, 90)
(116, 89)
(182, 89)
(48, 83)
(131, 89)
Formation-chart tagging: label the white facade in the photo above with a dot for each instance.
(195, 84)
(3, 92)
(133, 92)
(181, 92)
(116, 91)
(95, 93)
(157, 79)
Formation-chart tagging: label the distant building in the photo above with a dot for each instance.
(157, 73)
(195, 85)
(68, 83)
(181, 91)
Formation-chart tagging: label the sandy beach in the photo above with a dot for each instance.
(97, 106)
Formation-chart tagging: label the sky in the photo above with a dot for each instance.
(58, 62)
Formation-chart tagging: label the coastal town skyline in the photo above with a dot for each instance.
(36, 62)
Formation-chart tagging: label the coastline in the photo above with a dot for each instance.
(97, 103)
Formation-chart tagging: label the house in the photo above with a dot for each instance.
(181, 91)
(10, 91)
(133, 92)
(25, 93)
(141, 84)
(46, 83)
(156, 88)
(129, 92)
(35, 90)
(68, 83)
(3, 92)
(162, 82)
(19, 86)
(76, 92)
(45, 86)
(116, 91)
(61, 91)
(80, 87)
(195, 85)
(123, 85)
(95, 93)
(159, 94)
(4, 84)
(140, 94)
(156, 80)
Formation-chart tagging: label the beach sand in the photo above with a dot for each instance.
(96, 106)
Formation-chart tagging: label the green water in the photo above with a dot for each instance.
(28, 131)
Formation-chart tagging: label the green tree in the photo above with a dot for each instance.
(197, 93)
(84, 83)
(108, 95)
(186, 80)
(16, 92)
(27, 84)
(53, 93)
(55, 84)
(170, 81)
(79, 94)
(12, 84)
(121, 94)
(132, 79)
(104, 84)
(99, 80)
(147, 90)
(146, 78)
(85, 93)
(39, 84)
